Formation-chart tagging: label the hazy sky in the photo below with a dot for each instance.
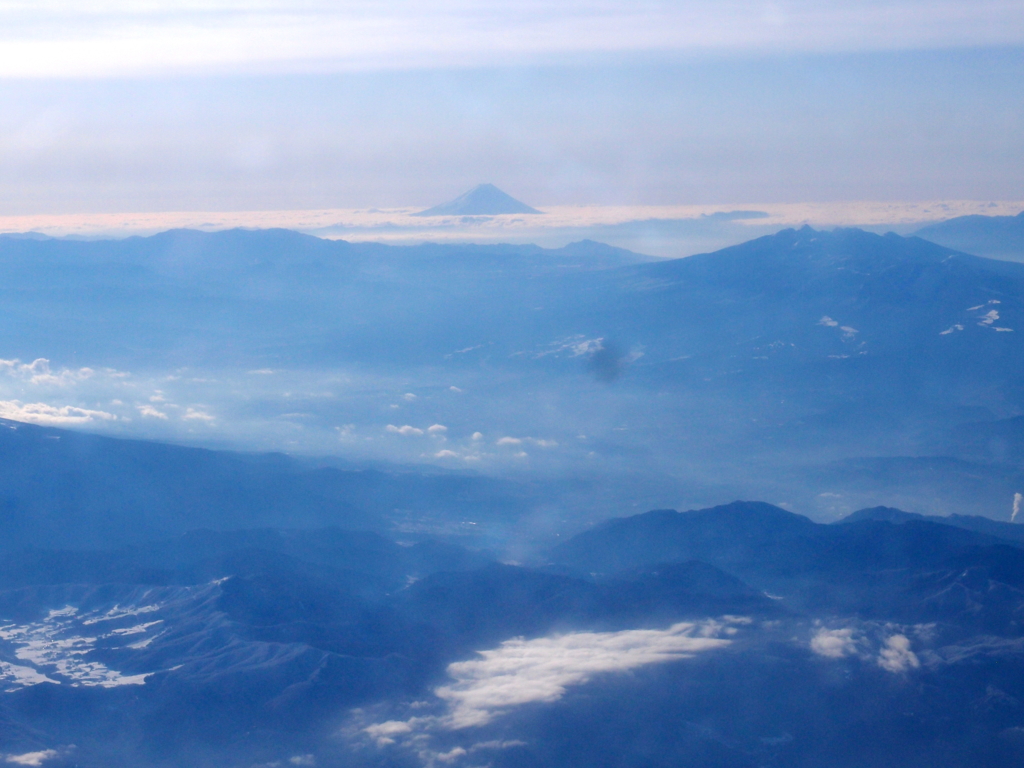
(147, 105)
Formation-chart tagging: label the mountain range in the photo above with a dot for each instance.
(838, 369)
(441, 561)
(339, 647)
(998, 237)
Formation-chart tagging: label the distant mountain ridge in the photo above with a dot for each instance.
(877, 346)
(993, 236)
(872, 567)
(1010, 531)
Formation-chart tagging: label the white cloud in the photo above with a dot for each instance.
(989, 317)
(446, 454)
(828, 321)
(39, 372)
(191, 414)
(576, 346)
(406, 430)
(523, 671)
(302, 760)
(481, 745)
(437, 429)
(32, 758)
(540, 443)
(896, 656)
(454, 389)
(478, 435)
(149, 410)
(261, 372)
(887, 645)
(834, 643)
(385, 733)
(463, 351)
(41, 413)
(543, 443)
(451, 755)
(409, 397)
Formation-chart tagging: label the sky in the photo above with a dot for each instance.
(142, 106)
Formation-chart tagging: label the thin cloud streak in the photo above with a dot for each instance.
(131, 38)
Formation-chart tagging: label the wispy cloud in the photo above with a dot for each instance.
(522, 671)
(896, 656)
(834, 643)
(406, 429)
(150, 411)
(540, 670)
(66, 38)
(32, 758)
(39, 372)
(195, 414)
(50, 415)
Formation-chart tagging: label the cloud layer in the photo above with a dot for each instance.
(60, 38)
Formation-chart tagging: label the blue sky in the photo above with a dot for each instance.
(141, 106)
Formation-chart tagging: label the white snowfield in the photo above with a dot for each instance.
(56, 650)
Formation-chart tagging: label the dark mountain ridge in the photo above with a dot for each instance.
(869, 567)
(1010, 531)
(66, 489)
(262, 661)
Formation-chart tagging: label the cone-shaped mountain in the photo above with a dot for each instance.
(482, 200)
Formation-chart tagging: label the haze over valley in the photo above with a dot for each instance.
(453, 385)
